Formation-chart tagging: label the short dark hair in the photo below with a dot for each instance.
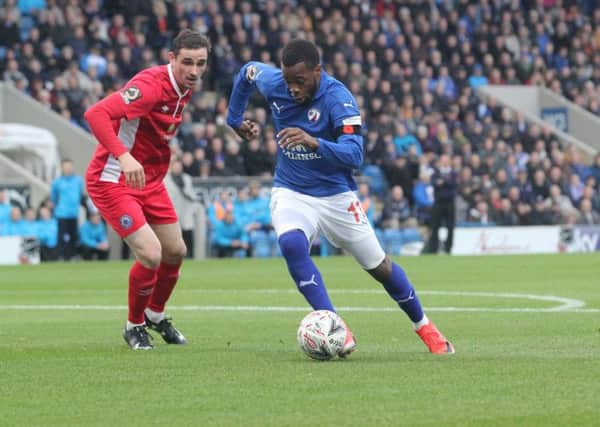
(189, 39)
(299, 50)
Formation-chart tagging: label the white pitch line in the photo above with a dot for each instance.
(565, 304)
(257, 308)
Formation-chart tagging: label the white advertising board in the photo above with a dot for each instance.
(506, 240)
(19, 250)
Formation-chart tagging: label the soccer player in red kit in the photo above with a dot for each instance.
(125, 180)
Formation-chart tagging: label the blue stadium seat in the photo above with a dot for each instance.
(380, 237)
(394, 239)
(326, 247)
(263, 243)
(377, 182)
(410, 235)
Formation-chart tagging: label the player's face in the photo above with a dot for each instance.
(302, 81)
(189, 66)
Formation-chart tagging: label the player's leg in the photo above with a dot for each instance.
(163, 219)
(123, 213)
(400, 289)
(142, 277)
(346, 225)
(295, 222)
(173, 252)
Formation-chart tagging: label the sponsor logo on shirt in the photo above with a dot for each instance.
(299, 152)
(132, 93)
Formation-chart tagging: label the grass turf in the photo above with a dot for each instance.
(243, 367)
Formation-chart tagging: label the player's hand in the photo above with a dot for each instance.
(133, 171)
(248, 130)
(288, 138)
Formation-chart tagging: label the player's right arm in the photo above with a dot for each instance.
(253, 75)
(135, 100)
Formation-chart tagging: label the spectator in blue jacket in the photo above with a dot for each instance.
(230, 237)
(257, 209)
(66, 193)
(47, 233)
(241, 207)
(29, 227)
(14, 226)
(94, 240)
(423, 197)
(4, 206)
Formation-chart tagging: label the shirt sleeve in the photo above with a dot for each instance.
(253, 75)
(347, 148)
(136, 99)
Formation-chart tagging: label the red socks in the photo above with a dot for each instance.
(165, 282)
(141, 283)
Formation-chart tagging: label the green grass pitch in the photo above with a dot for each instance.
(526, 331)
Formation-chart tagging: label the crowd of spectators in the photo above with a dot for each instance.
(414, 67)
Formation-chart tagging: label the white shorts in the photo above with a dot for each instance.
(339, 218)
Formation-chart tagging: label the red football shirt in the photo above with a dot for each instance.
(140, 118)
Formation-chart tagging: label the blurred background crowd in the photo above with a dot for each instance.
(413, 66)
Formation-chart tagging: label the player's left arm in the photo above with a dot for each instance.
(346, 149)
(253, 75)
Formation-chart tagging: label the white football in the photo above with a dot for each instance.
(321, 334)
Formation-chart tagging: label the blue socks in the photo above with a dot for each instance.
(401, 291)
(295, 249)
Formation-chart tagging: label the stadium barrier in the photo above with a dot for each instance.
(569, 122)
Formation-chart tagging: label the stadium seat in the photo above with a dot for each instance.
(394, 239)
(262, 244)
(326, 247)
(377, 182)
(410, 235)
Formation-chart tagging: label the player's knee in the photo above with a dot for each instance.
(383, 271)
(175, 252)
(150, 256)
(293, 245)
(179, 250)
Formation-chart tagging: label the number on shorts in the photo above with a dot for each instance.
(356, 209)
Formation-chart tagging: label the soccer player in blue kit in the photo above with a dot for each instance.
(318, 127)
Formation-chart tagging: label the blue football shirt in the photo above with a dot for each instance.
(332, 117)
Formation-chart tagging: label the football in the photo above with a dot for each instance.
(321, 334)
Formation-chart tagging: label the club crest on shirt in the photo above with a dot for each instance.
(313, 115)
(252, 73)
(126, 222)
(132, 93)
